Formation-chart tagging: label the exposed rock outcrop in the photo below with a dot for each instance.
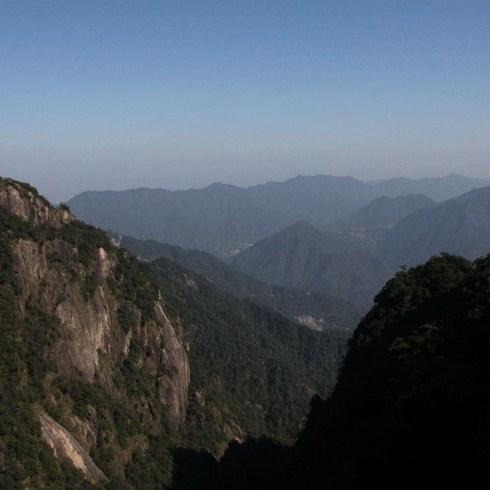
(66, 448)
(23, 201)
(89, 326)
(111, 332)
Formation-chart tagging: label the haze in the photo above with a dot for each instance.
(178, 94)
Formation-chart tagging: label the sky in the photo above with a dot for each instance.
(118, 94)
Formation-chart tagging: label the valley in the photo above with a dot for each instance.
(244, 245)
(137, 359)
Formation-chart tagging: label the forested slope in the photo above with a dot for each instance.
(302, 257)
(93, 375)
(254, 371)
(310, 308)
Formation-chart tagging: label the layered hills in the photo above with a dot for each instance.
(371, 222)
(108, 365)
(385, 211)
(222, 218)
(312, 309)
(460, 226)
(302, 257)
(437, 188)
(119, 374)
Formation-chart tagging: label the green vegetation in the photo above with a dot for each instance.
(31, 381)
(153, 467)
(413, 385)
(253, 370)
(126, 316)
(330, 313)
(25, 460)
(135, 286)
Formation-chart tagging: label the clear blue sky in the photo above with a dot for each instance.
(99, 94)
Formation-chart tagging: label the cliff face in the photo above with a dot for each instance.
(67, 448)
(90, 330)
(109, 331)
(23, 201)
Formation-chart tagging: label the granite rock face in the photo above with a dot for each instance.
(23, 201)
(96, 344)
(67, 448)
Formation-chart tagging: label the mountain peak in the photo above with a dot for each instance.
(23, 201)
(459, 226)
(303, 257)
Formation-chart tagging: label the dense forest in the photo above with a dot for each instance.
(253, 370)
(412, 401)
(250, 260)
(310, 308)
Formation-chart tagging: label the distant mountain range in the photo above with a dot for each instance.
(311, 309)
(302, 257)
(437, 188)
(223, 218)
(385, 211)
(460, 226)
(371, 222)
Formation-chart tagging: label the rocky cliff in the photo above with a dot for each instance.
(110, 369)
(25, 202)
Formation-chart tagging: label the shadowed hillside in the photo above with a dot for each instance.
(411, 408)
(413, 390)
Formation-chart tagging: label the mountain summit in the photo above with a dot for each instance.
(301, 256)
(459, 226)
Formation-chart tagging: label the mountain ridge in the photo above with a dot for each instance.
(311, 309)
(222, 218)
(301, 256)
(459, 226)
